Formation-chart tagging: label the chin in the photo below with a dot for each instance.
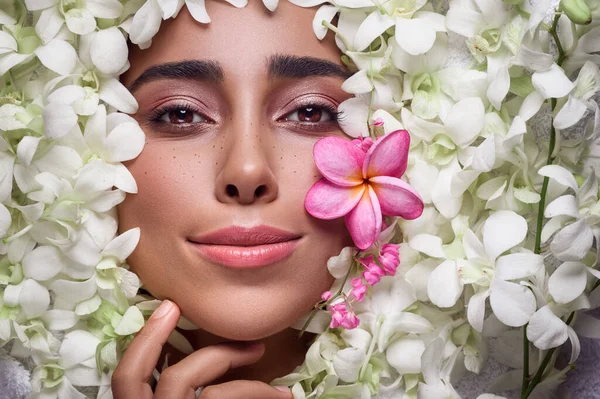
(246, 323)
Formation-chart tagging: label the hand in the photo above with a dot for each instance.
(180, 381)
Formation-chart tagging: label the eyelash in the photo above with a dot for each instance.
(157, 114)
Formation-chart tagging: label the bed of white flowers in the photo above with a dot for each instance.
(491, 92)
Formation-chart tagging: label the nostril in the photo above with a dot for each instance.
(260, 190)
(231, 190)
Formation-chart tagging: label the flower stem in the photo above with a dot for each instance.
(527, 388)
(337, 294)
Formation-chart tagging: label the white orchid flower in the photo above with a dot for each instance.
(113, 138)
(103, 57)
(577, 216)
(436, 372)
(432, 88)
(490, 272)
(586, 85)
(20, 45)
(79, 16)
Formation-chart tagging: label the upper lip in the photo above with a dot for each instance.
(245, 236)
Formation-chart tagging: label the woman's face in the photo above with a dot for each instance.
(229, 141)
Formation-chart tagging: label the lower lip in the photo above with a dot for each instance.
(247, 257)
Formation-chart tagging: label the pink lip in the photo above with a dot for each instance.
(242, 247)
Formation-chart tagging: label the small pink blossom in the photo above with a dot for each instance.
(326, 295)
(359, 289)
(361, 181)
(378, 122)
(341, 317)
(389, 258)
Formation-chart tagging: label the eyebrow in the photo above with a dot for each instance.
(280, 66)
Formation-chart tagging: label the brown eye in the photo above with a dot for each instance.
(180, 116)
(310, 114)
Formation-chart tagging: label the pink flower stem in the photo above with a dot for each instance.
(322, 304)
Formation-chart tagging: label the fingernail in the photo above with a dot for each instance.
(164, 308)
(283, 389)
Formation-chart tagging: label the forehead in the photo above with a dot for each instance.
(240, 40)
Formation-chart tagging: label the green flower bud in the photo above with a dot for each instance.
(577, 11)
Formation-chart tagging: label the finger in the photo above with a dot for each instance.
(241, 389)
(203, 366)
(130, 379)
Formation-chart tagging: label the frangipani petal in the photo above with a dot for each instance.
(388, 156)
(364, 221)
(396, 197)
(339, 160)
(326, 200)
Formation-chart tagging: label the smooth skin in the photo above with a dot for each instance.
(235, 149)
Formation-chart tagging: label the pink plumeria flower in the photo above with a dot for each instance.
(358, 289)
(363, 185)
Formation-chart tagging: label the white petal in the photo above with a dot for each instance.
(132, 322)
(567, 282)
(49, 23)
(552, 83)
(416, 35)
(271, 5)
(357, 113)
(464, 21)
(94, 177)
(34, 298)
(198, 10)
(42, 263)
(545, 330)
(560, 174)
(123, 245)
(338, 265)
(533, 60)
(573, 242)
(513, 304)
(34, 5)
(465, 120)
(66, 94)
(114, 93)
(371, 28)
(124, 180)
(428, 244)
(58, 56)
(575, 344)
(59, 119)
(444, 286)
(124, 142)
(404, 355)
(476, 310)
(531, 105)
(109, 50)
(518, 265)
(347, 364)
(563, 205)
(498, 88)
(324, 13)
(502, 231)
(570, 113)
(80, 21)
(104, 8)
(56, 319)
(77, 346)
(5, 220)
(146, 22)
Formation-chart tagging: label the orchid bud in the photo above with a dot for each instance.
(577, 11)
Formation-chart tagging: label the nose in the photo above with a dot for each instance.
(246, 177)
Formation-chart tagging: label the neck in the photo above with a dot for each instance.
(284, 351)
